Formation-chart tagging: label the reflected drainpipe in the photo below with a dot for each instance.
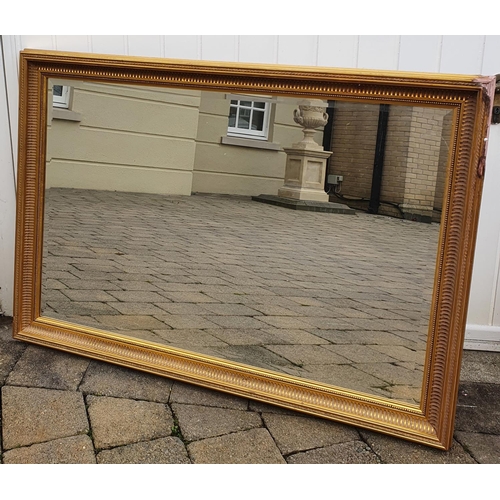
(327, 139)
(378, 164)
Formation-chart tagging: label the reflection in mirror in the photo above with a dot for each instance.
(150, 230)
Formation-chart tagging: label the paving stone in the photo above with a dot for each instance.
(125, 278)
(103, 379)
(363, 353)
(142, 286)
(169, 450)
(136, 308)
(401, 353)
(183, 309)
(396, 451)
(295, 433)
(199, 422)
(73, 308)
(364, 337)
(243, 336)
(354, 452)
(137, 322)
(230, 310)
(136, 296)
(478, 408)
(88, 284)
(347, 377)
(10, 352)
(33, 415)
(117, 422)
(186, 297)
(178, 321)
(254, 446)
(261, 407)
(189, 338)
(480, 366)
(273, 310)
(307, 354)
(392, 374)
(55, 369)
(252, 355)
(296, 337)
(71, 450)
(484, 448)
(192, 394)
(237, 322)
(286, 322)
(88, 295)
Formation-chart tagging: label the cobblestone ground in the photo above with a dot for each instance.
(58, 408)
(341, 299)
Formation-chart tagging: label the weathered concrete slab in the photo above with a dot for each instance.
(353, 452)
(294, 433)
(255, 446)
(33, 415)
(478, 408)
(10, 352)
(484, 448)
(201, 422)
(56, 369)
(71, 450)
(192, 394)
(169, 450)
(102, 379)
(480, 366)
(396, 451)
(117, 422)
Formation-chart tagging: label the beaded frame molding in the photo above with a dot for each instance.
(469, 97)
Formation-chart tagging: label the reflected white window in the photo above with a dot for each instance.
(60, 96)
(249, 119)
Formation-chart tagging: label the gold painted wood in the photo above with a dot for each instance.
(471, 99)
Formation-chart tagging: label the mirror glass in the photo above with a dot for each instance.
(151, 231)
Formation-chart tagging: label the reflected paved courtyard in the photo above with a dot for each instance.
(340, 299)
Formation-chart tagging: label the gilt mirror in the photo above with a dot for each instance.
(300, 236)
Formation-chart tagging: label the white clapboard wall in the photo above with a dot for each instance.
(466, 54)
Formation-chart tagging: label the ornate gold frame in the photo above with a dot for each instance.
(471, 100)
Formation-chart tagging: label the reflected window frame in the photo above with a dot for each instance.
(61, 100)
(239, 105)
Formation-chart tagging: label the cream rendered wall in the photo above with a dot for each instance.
(128, 139)
(244, 169)
(466, 54)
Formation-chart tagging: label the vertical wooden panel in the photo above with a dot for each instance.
(144, 45)
(46, 42)
(73, 43)
(301, 50)
(491, 55)
(7, 199)
(258, 48)
(420, 53)
(11, 46)
(462, 54)
(485, 271)
(338, 51)
(182, 46)
(219, 48)
(108, 44)
(378, 51)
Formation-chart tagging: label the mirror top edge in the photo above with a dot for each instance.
(208, 66)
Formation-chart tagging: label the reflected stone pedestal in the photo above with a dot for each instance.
(305, 174)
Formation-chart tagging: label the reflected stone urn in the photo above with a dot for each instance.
(310, 115)
(306, 160)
